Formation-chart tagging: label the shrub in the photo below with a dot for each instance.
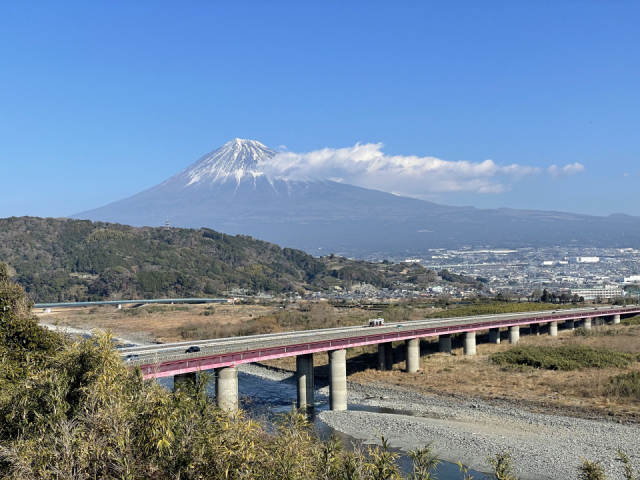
(629, 472)
(568, 357)
(583, 332)
(495, 309)
(590, 470)
(624, 385)
(631, 321)
(501, 465)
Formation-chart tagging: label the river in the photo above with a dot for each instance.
(264, 398)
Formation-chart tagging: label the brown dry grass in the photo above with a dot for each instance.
(161, 323)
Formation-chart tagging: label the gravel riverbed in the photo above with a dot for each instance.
(267, 373)
(544, 447)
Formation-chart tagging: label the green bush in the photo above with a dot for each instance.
(624, 385)
(583, 332)
(631, 321)
(495, 309)
(563, 357)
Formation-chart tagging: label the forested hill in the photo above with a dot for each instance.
(76, 260)
(58, 260)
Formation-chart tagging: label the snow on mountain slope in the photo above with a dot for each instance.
(238, 159)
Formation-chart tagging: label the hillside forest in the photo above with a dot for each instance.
(58, 260)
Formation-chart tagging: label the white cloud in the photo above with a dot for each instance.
(569, 169)
(366, 165)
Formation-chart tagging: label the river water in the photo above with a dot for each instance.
(264, 398)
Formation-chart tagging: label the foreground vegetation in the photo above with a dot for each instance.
(72, 410)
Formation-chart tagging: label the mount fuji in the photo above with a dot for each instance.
(226, 190)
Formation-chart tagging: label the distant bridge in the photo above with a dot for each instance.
(224, 355)
(119, 303)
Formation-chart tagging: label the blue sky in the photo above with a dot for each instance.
(100, 100)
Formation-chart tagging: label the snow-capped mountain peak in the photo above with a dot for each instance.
(234, 160)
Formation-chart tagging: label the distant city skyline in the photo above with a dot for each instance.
(499, 104)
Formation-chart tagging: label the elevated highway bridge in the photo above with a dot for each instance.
(223, 355)
(118, 303)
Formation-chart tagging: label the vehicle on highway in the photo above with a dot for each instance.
(375, 322)
(193, 349)
(131, 358)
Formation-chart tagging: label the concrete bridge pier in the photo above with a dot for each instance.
(444, 343)
(413, 355)
(514, 334)
(586, 324)
(569, 324)
(469, 347)
(338, 379)
(385, 357)
(227, 388)
(534, 329)
(304, 375)
(183, 378)
(615, 319)
(553, 329)
(494, 335)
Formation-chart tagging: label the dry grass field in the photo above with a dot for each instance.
(158, 323)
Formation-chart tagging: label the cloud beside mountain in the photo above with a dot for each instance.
(366, 165)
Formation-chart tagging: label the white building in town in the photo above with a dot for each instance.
(585, 259)
(605, 291)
